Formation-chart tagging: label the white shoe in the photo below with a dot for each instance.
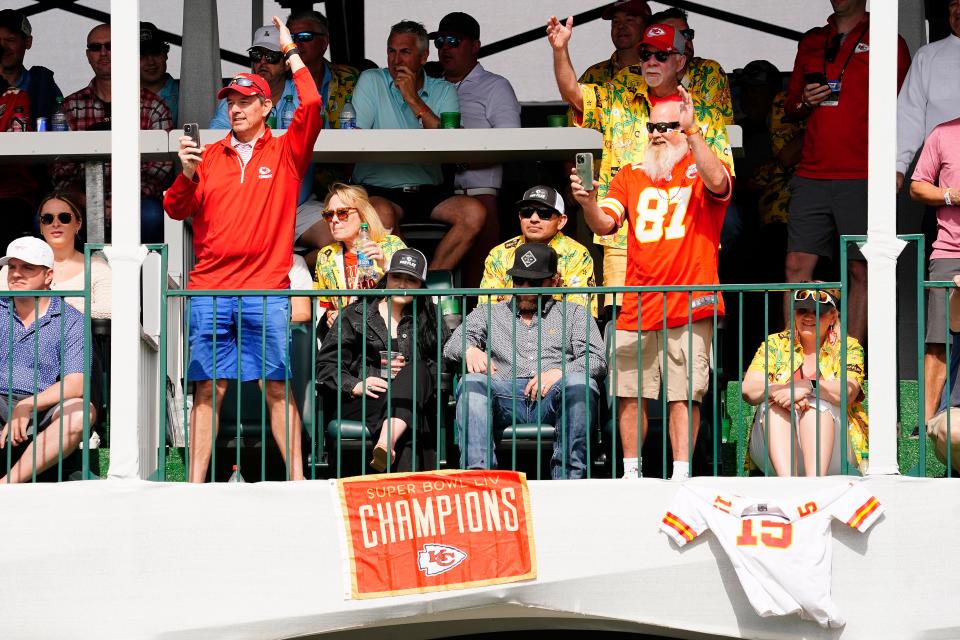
(631, 474)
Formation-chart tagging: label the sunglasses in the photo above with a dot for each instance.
(342, 213)
(451, 41)
(819, 295)
(663, 127)
(527, 282)
(687, 33)
(272, 57)
(542, 212)
(63, 217)
(661, 56)
(307, 36)
(97, 47)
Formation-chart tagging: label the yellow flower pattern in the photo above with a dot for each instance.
(330, 273)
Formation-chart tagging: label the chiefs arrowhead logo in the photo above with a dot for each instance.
(655, 31)
(434, 559)
(692, 171)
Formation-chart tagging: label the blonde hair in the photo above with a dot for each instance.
(356, 196)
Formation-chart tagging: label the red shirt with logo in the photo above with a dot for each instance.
(835, 142)
(673, 238)
(244, 215)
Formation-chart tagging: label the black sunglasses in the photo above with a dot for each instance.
(272, 57)
(527, 282)
(63, 217)
(450, 41)
(307, 36)
(687, 33)
(342, 214)
(542, 212)
(96, 47)
(661, 56)
(663, 127)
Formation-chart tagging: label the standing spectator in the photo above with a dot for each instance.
(627, 21)
(45, 343)
(153, 68)
(18, 188)
(237, 251)
(16, 36)
(541, 212)
(673, 204)
(487, 101)
(541, 387)
(830, 186)
(89, 109)
(402, 96)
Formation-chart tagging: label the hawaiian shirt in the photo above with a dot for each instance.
(773, 178)
(338, 83)
(330, 272)
(574, 264)
(780, 371)
(619, 110)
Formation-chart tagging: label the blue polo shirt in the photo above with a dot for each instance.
(170, 94)
(44, 333)
(379, 105)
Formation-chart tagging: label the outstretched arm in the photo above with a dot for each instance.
(558, 34)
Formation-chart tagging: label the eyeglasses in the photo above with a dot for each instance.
(451, 41)
(527, 282)
(687, 33)
(342, 214)
(307, 36)
(661, 56)
(97, 47)
(831, 53)
(663, 127)
(819, 295)
(272, 57)
(63, 217)
(542, 212)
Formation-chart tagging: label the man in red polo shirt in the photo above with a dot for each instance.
(828, 89)
(242, 195)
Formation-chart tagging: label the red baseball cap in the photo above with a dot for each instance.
(632, 7)
(663, 37)
(246, 84)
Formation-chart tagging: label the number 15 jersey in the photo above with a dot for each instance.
(673, 238)
(782, 550)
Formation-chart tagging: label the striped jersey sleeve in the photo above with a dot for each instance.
(857, 508)
(683, 521)
(614, 204)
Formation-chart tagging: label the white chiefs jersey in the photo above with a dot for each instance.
(781, 549)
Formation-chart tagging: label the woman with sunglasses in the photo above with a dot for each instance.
(345, 207)
(360, 382)
(61, 219)
(795, 378)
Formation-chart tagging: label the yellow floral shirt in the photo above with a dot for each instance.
(619, 110)
(773, 178)
(778, 349)
(330, 273)
(573, 263)
(342, 80)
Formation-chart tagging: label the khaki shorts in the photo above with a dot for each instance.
(614, 270)
(678, 362)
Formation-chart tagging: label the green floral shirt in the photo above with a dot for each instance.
(330, 273)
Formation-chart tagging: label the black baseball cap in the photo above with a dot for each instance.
(544, 195)
(15, 21)
(151, 41)
(759, 73)
(411, 262)
(535, 261)
(458, 23)
(826, 299)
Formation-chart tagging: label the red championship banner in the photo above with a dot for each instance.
(433, 531)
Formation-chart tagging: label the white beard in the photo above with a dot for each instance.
(659, 160)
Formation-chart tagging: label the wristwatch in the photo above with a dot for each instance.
(947, 199)
(692, 131)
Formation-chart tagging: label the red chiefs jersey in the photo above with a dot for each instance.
(673, 239)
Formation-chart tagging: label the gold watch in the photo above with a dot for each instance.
(692, 131)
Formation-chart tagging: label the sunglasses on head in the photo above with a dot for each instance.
(542, 212)
(663, 127)
(661, 56)
(342, 214)
(819, 295)
(272, 57)
(63, 217)
(527, 282)
(306, 36)
(96, 47)
(451, 41)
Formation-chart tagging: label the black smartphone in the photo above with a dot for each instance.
(585, 169)
(815, 77)
(192, 129)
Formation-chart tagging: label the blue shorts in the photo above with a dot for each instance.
(264, 347)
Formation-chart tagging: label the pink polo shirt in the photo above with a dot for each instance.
(939, 165)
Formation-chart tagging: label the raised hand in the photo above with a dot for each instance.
(687, 118)
(559, 33)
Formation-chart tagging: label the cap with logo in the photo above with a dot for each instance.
(31, 250)
(15, 21)
(151, 40)
(633, 7)
(535, 261)
(246, 84)
(458, 23)
(541, 194)
(663, 37)
(411, 262)
(266, 37)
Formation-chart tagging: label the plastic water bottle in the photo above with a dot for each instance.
(366, 274)
(272, 119)
(19, 122)
(235, 476)
(348, 115)
(286, 112)
(58, 121)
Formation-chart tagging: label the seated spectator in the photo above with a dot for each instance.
(153, 68)
(55, 329)
(89, 110)
(18, 188)
(402, 96)
(60, 220)
(541, 386)
(342, 370)
(16, 34)
(946, 435)
(344, 209)
(542, 216)
(784, 380)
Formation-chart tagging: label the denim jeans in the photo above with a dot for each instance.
(475, 441)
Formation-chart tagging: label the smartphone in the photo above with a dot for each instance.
(192, 129)
(585, 170)
(815, 77)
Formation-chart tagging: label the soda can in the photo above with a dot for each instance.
(42, 124)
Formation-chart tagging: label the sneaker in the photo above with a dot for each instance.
(631, 474)
(915, 434)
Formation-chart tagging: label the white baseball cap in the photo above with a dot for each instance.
(31, 250)
(267, 38)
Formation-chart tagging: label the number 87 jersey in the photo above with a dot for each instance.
(781, 549)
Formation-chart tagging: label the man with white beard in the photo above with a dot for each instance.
(673, 205)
